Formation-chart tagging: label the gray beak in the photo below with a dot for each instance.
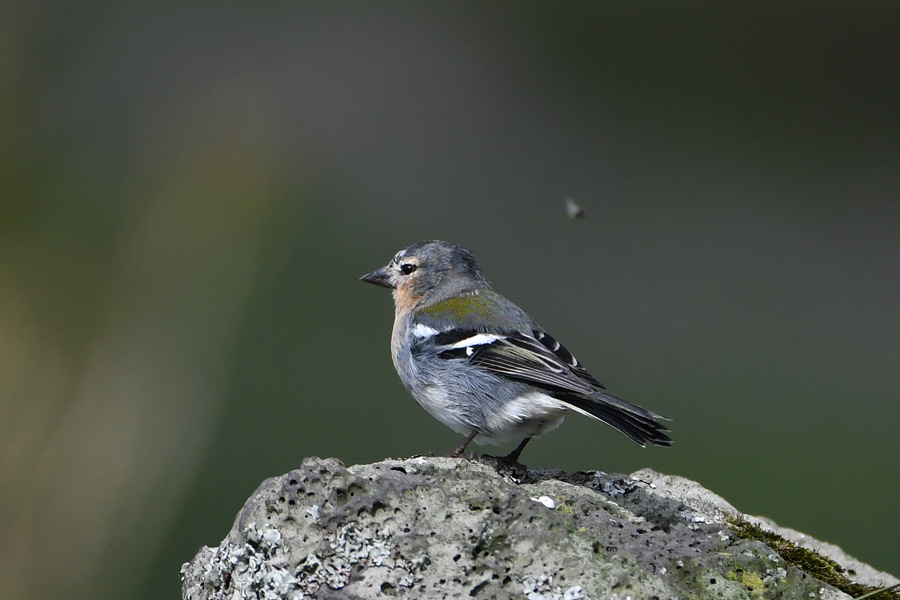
(379, 277)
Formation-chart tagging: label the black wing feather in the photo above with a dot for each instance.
(544, 362)
(525, 358)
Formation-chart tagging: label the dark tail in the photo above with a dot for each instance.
(637, 423)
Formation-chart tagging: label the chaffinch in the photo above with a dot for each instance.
(476, 362)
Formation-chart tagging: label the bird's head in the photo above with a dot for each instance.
(428, 272)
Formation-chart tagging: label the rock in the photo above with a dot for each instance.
(451, 528)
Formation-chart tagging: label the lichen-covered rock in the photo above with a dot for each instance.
(450, 528)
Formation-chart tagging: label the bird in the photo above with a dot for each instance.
(480, 365)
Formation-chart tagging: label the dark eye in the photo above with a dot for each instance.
(407, 268)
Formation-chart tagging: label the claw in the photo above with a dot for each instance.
(505, 464)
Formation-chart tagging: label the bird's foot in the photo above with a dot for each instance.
(470, 456)
(506, 465)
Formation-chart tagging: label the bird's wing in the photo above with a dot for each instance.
(536, 358)
(565, 356)
(541, 360)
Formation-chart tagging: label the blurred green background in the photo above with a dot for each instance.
(190, 192)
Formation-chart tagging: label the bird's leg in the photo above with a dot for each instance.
(462, 445)
(513, 457)
(510, 462)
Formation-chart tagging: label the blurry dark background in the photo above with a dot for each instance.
(190, 192)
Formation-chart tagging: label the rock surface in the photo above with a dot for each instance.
(450, 528)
